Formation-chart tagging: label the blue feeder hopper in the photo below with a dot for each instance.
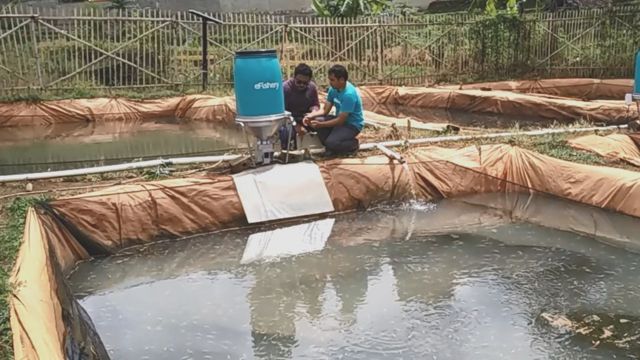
(257, 78)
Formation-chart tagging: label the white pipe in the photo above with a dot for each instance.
(201, 159)
(390, 154)
(116, 168)
(209, 159)
(486, 136)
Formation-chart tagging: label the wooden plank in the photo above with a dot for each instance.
(67, 60)
(91, 40)
(18, 50)
(156, 47)
(76, 51)
(3, 23)
(143, 49)
(36, 53)
(173, 49)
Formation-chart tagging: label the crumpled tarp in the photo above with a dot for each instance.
(587, 89)
(190, 107)
(501, 168)
(613, 147)
(46, 321)
(501, 102)
(544, 98)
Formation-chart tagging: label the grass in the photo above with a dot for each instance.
(553, 145)
(556, 146)
(10, 239)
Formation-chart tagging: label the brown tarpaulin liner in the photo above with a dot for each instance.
(589, 89)
(73, 229)
(46, 320)
(635, 137)
(196, 107)
(501, 102)
(613, 147)
(221, 109)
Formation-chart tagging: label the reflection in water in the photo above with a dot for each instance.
(66, 146)
(466, 286)
(463, 118)
(276, 244)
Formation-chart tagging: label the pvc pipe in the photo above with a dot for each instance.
(486, 136)
(390, 154)
(116, 168)
(201, 159)
(209, 159)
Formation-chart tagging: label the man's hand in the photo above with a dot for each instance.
(315, 124)
(300, 130)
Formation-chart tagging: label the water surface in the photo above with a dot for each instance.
(68, 146)
(453, 280)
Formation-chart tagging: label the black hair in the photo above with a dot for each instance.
(304, 70)
(339, 71)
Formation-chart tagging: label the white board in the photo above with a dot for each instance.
(282, 191)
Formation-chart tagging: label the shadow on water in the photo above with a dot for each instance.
(470, 282)
(66, 146)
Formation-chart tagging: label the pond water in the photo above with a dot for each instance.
(465, 119)
(69, 146)
(27, 149)
(452, 280)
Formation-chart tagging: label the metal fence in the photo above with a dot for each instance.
(99, 48)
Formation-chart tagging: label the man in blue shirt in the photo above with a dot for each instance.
(339, 133)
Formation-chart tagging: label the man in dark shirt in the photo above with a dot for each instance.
(300, 99)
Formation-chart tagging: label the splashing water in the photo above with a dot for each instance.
(412, 182)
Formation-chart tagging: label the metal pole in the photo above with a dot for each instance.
(205, 42)
(205, 56)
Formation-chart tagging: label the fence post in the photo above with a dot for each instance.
(283, 52)
(34, 39)
(380, 52)
(205, 42)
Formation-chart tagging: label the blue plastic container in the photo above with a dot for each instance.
(258, 83)
(636, 83)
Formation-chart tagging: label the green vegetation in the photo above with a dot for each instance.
(120, 4)
(553, 145)
(349, 8)
(490, 42)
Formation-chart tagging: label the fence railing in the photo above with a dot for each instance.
(100, 48)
